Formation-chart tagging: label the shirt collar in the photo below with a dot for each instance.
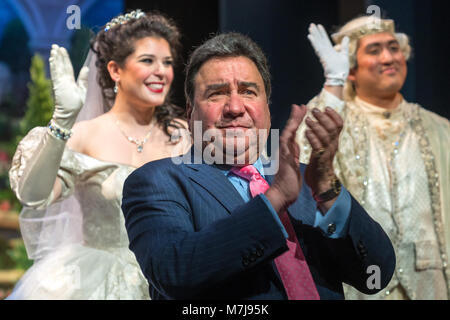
(257, 164)
(378, 112)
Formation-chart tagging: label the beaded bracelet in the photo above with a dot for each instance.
(58, 132)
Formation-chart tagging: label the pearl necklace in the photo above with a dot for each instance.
(137, 142)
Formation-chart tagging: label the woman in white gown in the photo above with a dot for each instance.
(69, 176)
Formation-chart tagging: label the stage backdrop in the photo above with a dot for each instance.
(281, 27)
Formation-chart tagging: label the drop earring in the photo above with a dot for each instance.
(116, 88)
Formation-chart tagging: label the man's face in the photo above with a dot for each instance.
(381, 66)
(230, 100)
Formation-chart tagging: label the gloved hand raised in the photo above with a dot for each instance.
(336, 64)
(69, 95)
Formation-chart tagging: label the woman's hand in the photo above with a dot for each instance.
(69, 95)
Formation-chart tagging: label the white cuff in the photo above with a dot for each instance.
(330, 100)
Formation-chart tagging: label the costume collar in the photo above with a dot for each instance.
(372, 110)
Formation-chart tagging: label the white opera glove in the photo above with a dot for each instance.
(38, 178)
(336, 64)
(69, 95)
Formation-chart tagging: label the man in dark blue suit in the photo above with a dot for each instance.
(200, 229)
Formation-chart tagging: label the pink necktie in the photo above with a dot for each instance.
(291, 265)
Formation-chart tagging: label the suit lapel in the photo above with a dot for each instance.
(215, 183)
(218, 185)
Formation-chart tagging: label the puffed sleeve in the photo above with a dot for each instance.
(23, 157)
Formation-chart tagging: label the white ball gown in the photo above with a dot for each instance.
(82, 253)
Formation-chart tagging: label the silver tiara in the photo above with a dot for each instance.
(136, 14)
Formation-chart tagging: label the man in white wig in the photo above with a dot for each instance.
(393, 155)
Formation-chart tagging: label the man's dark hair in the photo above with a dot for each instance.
(222, 46)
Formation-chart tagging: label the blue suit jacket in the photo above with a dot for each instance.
(195, 238)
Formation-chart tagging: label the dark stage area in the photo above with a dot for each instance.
(281, 27)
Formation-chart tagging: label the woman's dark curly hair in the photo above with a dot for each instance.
(117, 43)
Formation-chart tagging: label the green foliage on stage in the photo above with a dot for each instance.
(13, 255)
(18, 254)
(5, 259)
(39, 110)
(38, 113)
(40, 101)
